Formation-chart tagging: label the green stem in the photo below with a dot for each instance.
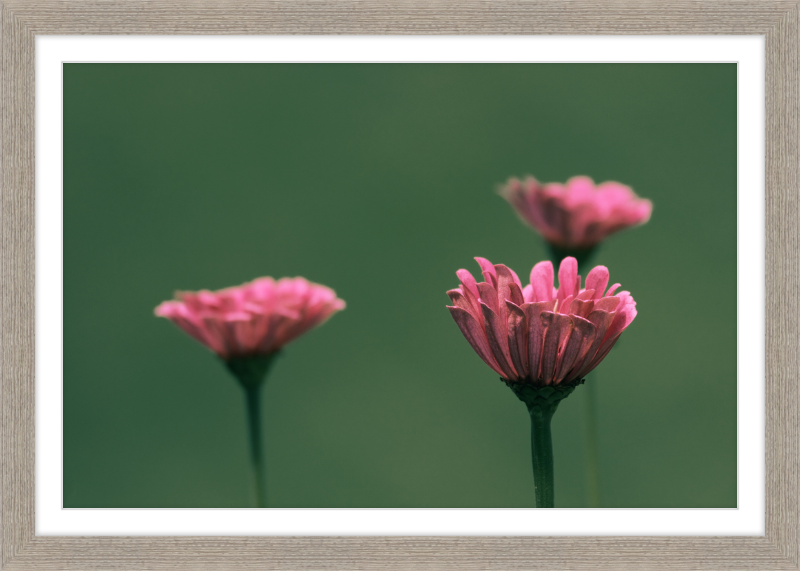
(251, 372)
(542, 455)
(253, 398)
(542, 403)
(591, 446)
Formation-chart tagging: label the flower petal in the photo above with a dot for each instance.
(583, 334)
(515, 277)
(199, 332)
(470, 288)
(542, 281)
(567, 274)
(474, 334)
(488, 271)
(221, 337)
(602, 321)
(538, 316)
(598, 358)
(597, 280)
(564, 305)
(557, 332)
(255, 318)
(607, 303)
(488, 295)
(527, 293)
(497, 334)
(581, 308)
(460, 300)
(507, 288)
(577, 214)
(518, 339)
(625, 314)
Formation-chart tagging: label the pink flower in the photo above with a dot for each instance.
(577, 215)
(257, 318)
(539, 334)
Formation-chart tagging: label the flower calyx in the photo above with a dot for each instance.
(542, 399)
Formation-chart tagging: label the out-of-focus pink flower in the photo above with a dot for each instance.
(539, 334)
(257, 318)
(576, 215)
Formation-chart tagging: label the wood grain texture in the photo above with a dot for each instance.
(17, 279)
(781, 264)
(399, 17)
(22, 20)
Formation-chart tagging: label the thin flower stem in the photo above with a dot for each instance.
(251, 373)
(253, 398)
(542, 455)
(542, 403)
(591, 446)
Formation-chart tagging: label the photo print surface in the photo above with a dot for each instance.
(259, 261)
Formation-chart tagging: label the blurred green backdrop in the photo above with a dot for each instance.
(379, 181)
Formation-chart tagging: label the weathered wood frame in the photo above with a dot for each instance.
(22, 20)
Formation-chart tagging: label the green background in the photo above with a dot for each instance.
(379, 181)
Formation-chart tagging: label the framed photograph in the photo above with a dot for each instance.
(311, 285)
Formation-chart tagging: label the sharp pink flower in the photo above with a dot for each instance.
(539, 334)
(257, 318)
(576, 215)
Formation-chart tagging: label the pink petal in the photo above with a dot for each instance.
(488, 295)
(460, 300)
(620, 320)
(583, 334)
(578, 214)
(496, 333)
(564, 305)
(518, 338)
(597, 280)
(515, 277)
(601, 320)
(474, 334)
(626, 312)
(515, 294)
(254, 318)
(607, 303)
(527, 293)
(274, 335)
(597, 359)
(199, 332)
(538, 317)
(507, 288)
(244, 334)
(581, 308)
(559, 330)
(589, 340)
(542, 281)
(470, 288)
(539, 333)
(567, 275)
(221, 337)
(488, 270)
(582, 186)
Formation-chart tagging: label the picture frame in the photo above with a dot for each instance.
(23, 20)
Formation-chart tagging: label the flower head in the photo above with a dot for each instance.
(576, 215)
(539, 334)
(257, 318)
